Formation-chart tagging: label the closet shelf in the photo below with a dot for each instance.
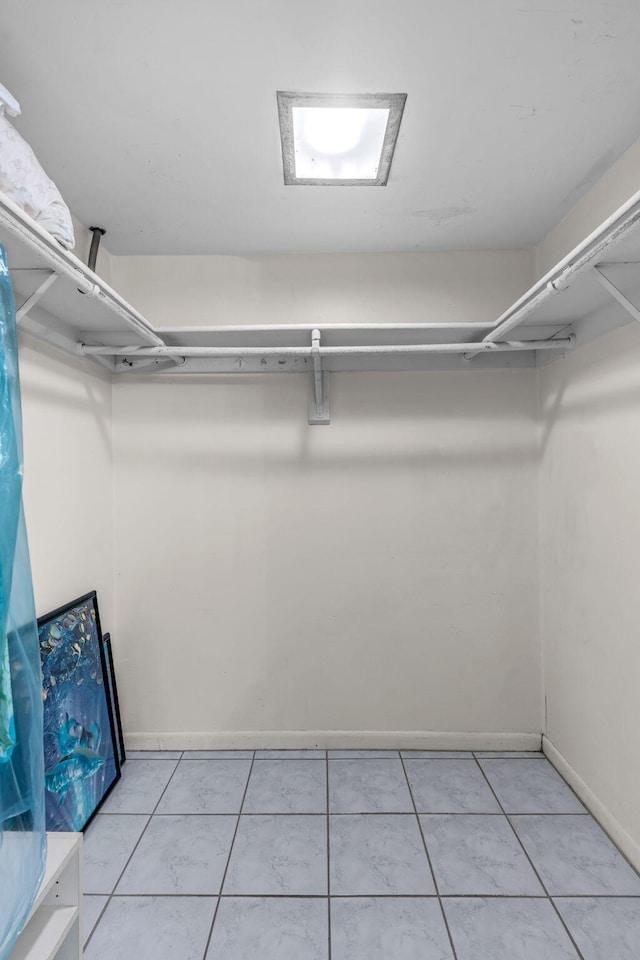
(46, 933)
(61, 301)
(53, 927)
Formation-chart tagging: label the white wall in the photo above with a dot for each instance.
(590, 531)
(68, 478)
(379, 574)
(376, 575)
(327, 288)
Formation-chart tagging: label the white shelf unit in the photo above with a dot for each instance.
(54, 925)
(588, 293)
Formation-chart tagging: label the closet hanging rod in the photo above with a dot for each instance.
(483, 346)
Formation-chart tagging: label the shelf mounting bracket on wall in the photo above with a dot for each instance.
(617, 294)
(319, 412)
(37, 294)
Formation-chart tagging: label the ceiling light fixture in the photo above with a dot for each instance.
(339, 140)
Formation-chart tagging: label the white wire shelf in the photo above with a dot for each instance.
(61, 301)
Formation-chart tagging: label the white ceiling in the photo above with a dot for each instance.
(158, 120)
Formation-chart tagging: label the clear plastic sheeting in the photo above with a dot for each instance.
(22, 830)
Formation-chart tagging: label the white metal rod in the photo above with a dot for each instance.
(483, 346)
(310, 327)
(615, 233)
(613, 229)
(59, 340)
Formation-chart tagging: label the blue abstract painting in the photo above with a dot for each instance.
(80, 751)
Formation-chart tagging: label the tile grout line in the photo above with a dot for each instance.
(99, 917)
(524, 850)
(326, 760)
(224, 875)
(136, 845)
(433, 875)
(382, 896)
(361, 813)
(535, 755)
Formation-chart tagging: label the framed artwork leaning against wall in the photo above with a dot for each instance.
(80, 745)
(113, 694)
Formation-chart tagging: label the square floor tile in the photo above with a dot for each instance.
(206, 786)
(217, 755)
(92, 907)
(291, 754)
(436, 754)
(388, 928)
(478, 855)
(603, 929)
(368, 786)
(140, 786)
(378, 854)
(363, 754)
(509, 754)
(154, 754)
(180, 855)
(513, 929)
(531, 786)
(450, 786)
(574, 857)
(109, 841)
(153, 928)
(273, 928)
(287, 786)
(279, 855)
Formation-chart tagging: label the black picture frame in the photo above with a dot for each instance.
(113, 692)
(80, 745)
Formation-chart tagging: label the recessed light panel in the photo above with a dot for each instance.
(333, 140)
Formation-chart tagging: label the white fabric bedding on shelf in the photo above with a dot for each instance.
(24, 181)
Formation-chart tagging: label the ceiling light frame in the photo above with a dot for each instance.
(393, 102)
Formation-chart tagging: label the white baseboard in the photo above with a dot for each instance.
(332, 740)
(629, 847)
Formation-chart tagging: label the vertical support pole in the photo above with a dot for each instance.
(96, 234)
(318, 386)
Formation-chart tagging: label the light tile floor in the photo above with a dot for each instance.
(353, 855)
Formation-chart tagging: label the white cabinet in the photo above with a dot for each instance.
(54, 926)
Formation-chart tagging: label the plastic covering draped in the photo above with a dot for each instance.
(22, 830)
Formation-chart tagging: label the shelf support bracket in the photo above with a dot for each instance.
(318, 385)
(37, 294)
(617, 294)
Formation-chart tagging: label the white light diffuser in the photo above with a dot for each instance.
(338, 140)
(338, 143)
